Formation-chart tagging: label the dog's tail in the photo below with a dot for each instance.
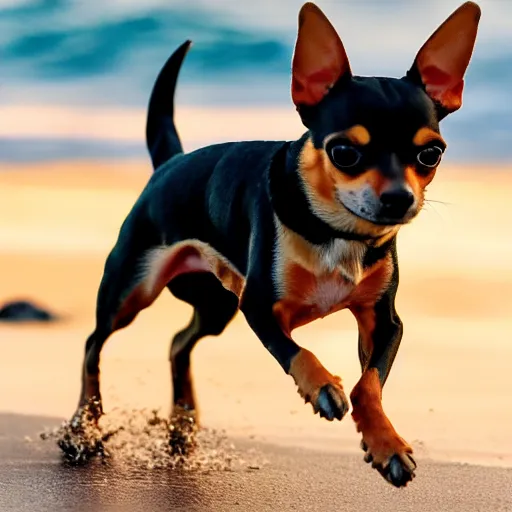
(162, 138)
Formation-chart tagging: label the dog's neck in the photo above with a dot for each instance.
(291, 204)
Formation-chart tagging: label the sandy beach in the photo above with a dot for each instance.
(448, 393)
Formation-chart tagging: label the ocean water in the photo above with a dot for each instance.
(108, 52)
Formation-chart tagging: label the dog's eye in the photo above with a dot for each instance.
(345, 157)
(430, 157)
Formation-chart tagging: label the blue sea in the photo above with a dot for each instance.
(108, 52)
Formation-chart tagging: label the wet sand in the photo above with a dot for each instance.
(33, 478)
(448, 393)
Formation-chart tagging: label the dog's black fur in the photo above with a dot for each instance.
(236, 197)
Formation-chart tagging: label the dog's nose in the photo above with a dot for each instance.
(396, 202)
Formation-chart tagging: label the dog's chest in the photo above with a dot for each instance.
(335, 272)
(314, 281)
(327, 293)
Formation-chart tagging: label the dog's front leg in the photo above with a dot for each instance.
(315, 383)
(380, 333)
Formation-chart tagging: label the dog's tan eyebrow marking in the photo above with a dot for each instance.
(356, 134)
(425, 135)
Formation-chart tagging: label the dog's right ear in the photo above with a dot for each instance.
(319, 59)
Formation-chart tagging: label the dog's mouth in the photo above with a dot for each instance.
(365, 205)
(378, 220)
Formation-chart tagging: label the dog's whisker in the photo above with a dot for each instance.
(445, 203)
(432, 208)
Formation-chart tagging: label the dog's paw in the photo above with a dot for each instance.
(78, 449)
(397, 468)
(319, 387)
(183, 428)
(80, 438)
(331, 402)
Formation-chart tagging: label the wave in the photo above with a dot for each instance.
(109, 53)
(42, 43)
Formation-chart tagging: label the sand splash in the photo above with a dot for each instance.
(145, 440)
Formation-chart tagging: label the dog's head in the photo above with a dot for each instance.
(375, 142)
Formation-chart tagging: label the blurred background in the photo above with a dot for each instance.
(78, 65)
(75, 79)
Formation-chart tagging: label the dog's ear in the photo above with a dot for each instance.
(442, 61)
(319, 59)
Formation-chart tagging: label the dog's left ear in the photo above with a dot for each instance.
(442, 61)
(319, 59)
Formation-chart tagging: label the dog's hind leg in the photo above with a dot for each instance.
(214, 307)
(131, 282)
(135, 273)
(124, 291)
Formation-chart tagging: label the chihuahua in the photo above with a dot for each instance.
(291, 231)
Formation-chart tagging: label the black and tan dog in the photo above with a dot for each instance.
(289, 232)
